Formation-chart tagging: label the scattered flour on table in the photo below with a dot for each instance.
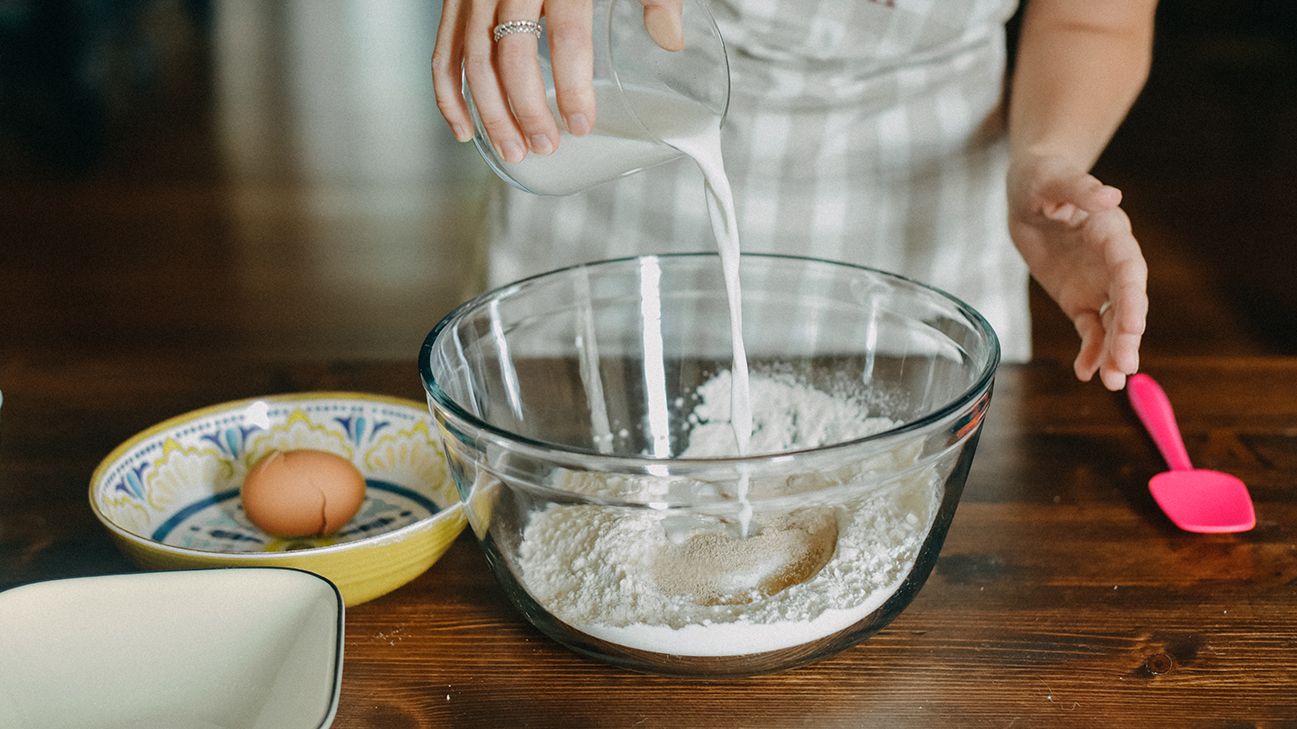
(688, 585)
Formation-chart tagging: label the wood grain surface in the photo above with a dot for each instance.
(278, 208)
(1061, 598)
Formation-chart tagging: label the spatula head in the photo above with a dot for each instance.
(1204, 501)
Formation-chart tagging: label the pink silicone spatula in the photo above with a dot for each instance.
(1195, 499)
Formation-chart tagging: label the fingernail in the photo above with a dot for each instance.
(511, 151)
(578, 124)
(541, 145)
(461, 134)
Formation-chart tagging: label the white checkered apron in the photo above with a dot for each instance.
(866, 131)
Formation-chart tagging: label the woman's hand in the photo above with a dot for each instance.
(1076, 239)
(504, 76)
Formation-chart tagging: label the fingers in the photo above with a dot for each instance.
(484, 83)
(447, 61)
(662, 20)
(1124, 320)
(1129, 296)
(1093, 196)
(1106, 348)
(1066, 192)
(1100, 278)
(1124, 323)
(1063, 212)
(1081, 191)
(519, 72)
(1113, 379)
(1089, 326)
(1121, 346)
(1127, 276)
(573, 63)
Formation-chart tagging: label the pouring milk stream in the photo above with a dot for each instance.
(671, 581)
(618, 142)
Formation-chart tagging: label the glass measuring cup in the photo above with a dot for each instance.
(644, 96)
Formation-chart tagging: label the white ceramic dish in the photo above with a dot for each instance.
(253, 648)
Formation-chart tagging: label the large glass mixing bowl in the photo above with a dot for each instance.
(585, 417)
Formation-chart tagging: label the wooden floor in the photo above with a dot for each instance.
(274, 179)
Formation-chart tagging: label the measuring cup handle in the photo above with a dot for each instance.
(1154, 410)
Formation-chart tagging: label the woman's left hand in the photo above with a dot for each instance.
(1077, 241)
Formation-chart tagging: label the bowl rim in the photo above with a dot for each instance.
(200, 573)
(396, 535)
(595, 460)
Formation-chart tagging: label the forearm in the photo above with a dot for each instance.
(1080, 65)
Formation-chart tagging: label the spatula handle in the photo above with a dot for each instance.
(1154, 410)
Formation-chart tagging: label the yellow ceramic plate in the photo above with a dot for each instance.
(170, 496)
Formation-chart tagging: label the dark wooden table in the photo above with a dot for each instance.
(1062, 597)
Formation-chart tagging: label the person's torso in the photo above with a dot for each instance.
(828, 52)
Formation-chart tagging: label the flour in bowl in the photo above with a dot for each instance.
(686, 584)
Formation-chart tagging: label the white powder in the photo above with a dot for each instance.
(786, 416)
(695, 583)
(688, 584)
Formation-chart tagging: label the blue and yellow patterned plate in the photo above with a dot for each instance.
(170, 496)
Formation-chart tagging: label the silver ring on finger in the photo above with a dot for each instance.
(509, 27)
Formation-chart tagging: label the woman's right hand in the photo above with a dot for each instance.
(504, 77)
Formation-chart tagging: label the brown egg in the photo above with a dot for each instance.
(302, 493)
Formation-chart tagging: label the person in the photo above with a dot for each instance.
(869, 131)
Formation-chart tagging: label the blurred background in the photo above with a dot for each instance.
(273, 178)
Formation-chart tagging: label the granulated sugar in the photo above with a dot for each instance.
(689, 584)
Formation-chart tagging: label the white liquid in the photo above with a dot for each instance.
(588, 345)
(620, 143)
(703, 144)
